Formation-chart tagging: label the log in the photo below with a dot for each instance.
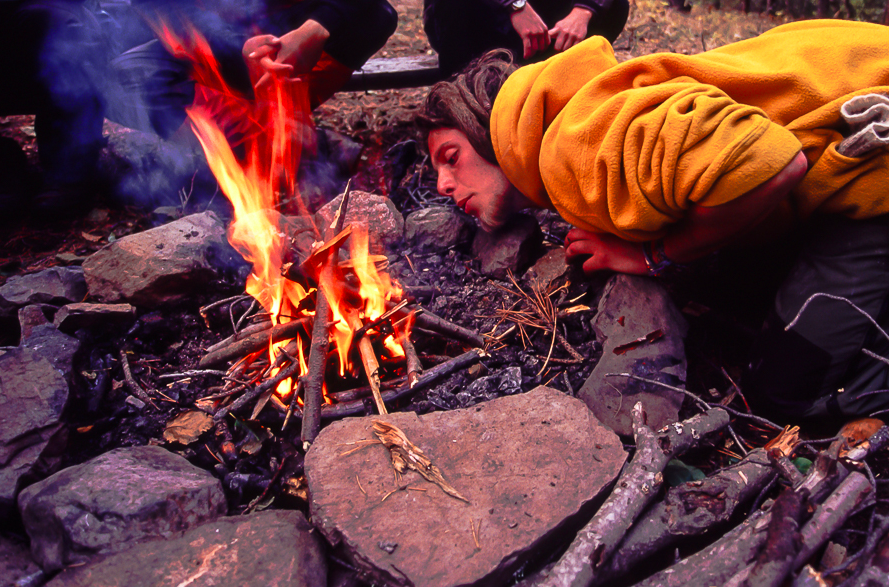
(637, 485)
(783, 542)
(692, 509)
(832, 514)
(313, 386)
(257, 341)
(719, 562)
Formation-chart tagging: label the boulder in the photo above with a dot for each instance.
(162, 265)
(633, 307)
(73, 317)
(377, 214)
(550, 267)
(530, 465)
(437, 228)
(33, 394)
(510, 249)
(269, 549)
(55, 286)
(114, 501)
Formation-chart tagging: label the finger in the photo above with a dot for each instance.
(268, 44)
(579, 249)
(526, 44)
(558, 41)
(577, 234)
(592, 265)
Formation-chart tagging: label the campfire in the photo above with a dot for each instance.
(309, 295)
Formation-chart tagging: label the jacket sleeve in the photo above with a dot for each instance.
(358, 28)
(633, 162)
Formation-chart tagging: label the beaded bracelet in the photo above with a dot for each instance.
(655, 258)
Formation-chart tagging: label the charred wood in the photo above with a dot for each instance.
(783, 542)
(313, 381)
(241, 334)
(257, 341)
(134, 385)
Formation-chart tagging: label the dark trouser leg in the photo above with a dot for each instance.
(55, 71)
(817, 371)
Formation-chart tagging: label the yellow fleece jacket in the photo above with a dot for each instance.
(627, 148)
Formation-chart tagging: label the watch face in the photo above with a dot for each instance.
(519, 4)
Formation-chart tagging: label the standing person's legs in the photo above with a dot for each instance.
(817, 370)
(461, 30)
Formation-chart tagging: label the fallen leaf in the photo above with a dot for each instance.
(186, 428)
(90, 237)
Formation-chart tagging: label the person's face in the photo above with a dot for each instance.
(478, 187)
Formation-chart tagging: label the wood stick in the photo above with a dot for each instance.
(134, 386)
(832, 514)
(243, 333)
(364, 391)
(285, 373)
(368, 361)
(257, 341)
(412, 360)
(782, 544)
(636, 487)
(314, 379)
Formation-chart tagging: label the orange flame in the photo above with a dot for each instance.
(272, 130)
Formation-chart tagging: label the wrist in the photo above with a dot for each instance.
(656, 260)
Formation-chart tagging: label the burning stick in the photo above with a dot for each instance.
(414, 367)
(314, 378)
(257, 341)
(285, 373)
(369, 361)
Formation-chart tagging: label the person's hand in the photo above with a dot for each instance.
(604, 251)
(571, 30)
(289, 56)
(531, 28)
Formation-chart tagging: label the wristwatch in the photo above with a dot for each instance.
(518, 5)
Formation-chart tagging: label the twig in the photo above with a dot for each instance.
(134, 386)
(193, 373)
(839, 299)
(285, 373)
(313, 387)
(368, 361)
(203, 311)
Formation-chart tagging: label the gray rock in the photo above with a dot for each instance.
(377, 213)
(56, 286)
(113, 501)
(161, 265)
(73, 317)
(16, 565)
(269, 549)
(643, 306)
(33, 394)
(57, 347)
(510, 249)
(33, 316)
(437, 228)
(528, 464)
(550, 267)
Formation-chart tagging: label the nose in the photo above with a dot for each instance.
(446, 185)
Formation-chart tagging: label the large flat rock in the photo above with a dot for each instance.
(114, 501)
(268, 549)
(528, 464)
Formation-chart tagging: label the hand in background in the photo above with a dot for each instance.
(604, 251)
(531, 28)
(288, 56)
(571, 30)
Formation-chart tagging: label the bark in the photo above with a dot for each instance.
(832, 514)
(257, 341)
(723, 559)
(692, 509)
(782, 542)
(636, 487)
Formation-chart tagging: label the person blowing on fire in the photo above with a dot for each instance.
(665, 159)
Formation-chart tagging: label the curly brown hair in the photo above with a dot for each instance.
(464, 102)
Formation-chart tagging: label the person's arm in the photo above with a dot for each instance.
(531, 28)
(703, 230)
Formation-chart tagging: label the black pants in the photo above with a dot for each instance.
(461, 30)
(52, 62)
(817, 370)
